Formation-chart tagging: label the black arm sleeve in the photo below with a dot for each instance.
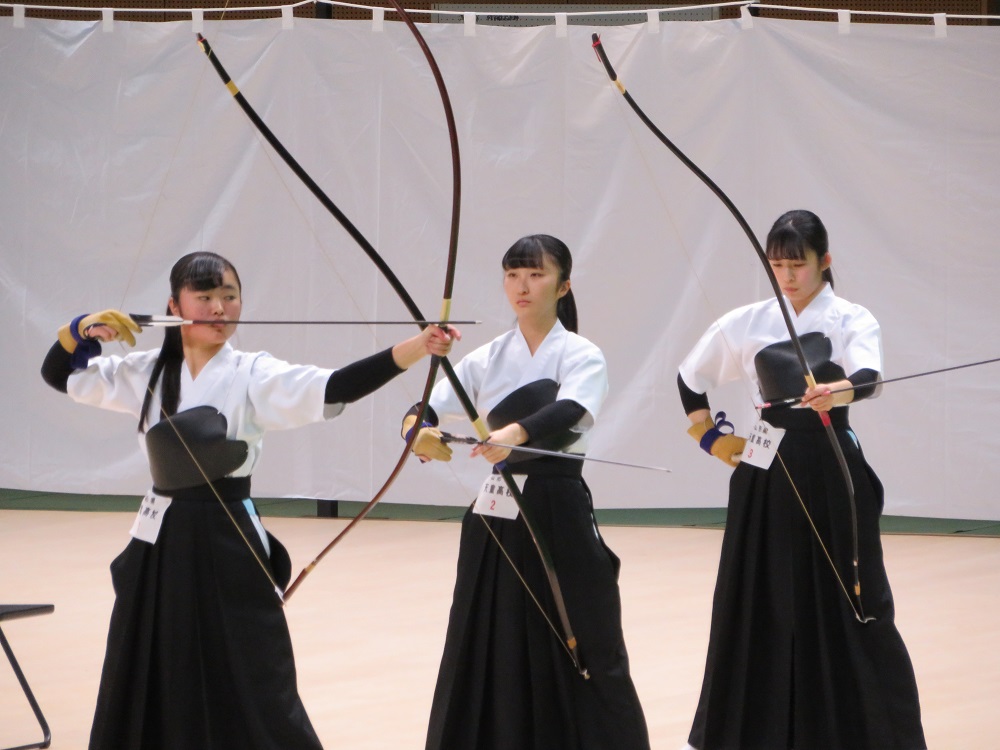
(56, 368)
(552, 419)
(689, 399)
(865, 382)
(360, 378)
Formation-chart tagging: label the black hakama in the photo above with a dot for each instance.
(789, 665)
(506, 682)
(199, 655)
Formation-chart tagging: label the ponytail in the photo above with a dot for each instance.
(566, 312)
(168, 364)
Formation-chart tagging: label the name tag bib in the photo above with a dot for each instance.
(147, 521)
(496, 499)
(762, 444)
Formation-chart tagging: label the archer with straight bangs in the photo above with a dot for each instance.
(794, 659)
(507, 679)
(198, 653)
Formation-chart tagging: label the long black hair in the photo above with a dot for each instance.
(529, 252)
(796, 232)
(198, 271)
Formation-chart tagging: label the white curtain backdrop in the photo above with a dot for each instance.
(121, 150)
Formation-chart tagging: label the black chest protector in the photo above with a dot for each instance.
(200, 432)
(522, 403)
(780, 374)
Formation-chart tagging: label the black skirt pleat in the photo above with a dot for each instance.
(506, 682)
(199, 654)
(789, 665)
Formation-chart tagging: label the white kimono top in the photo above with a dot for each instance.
(255, 392)
(493, 371)
(726, 351)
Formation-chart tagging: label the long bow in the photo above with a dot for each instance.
(383, 267)
(568, 639)
(796, 343)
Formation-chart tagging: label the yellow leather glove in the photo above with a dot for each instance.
(428, 445)
(120, 325)
(725, 446)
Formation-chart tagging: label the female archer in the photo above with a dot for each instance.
(790, 664)
(504, 680)
(198, 652)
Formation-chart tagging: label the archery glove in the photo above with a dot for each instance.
(427, 445)
(725, 446)
(122, 325)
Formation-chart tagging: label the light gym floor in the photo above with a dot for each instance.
(368, 624)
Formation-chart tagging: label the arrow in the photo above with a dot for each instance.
(447, 437)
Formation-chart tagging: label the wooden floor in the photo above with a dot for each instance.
(368, 625)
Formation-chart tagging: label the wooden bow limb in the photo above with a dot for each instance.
(567, 639)
(400, 463)
(797, 344)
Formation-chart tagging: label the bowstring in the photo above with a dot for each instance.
(444, 315)
(527, 587)
(327, 255)
(621, 105)
(185, 124)
(568, 639)
(143, 245)
(324, 252)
